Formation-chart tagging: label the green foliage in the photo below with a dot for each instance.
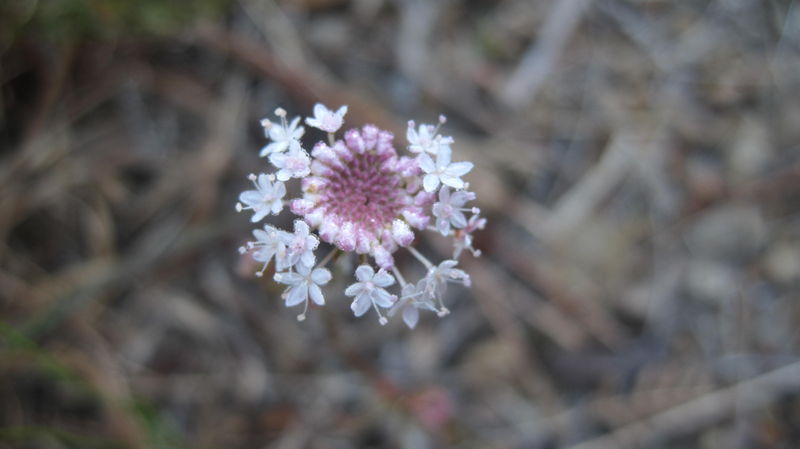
(74, 20)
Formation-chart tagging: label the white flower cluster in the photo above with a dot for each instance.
(360, 196)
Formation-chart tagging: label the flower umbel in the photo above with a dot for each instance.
(358, 195)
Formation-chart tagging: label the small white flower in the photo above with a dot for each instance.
(426, 139)
(449, 209)
(301, 246)
(370, 291)
(442, 171)
(325, 119)
(412, 299)
(435, 282)
(293, 164)
(463, 237)
(270, 242)
(286, 136)
(303, 283)
(266, 199)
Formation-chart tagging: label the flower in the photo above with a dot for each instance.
(293, 164)
(301, 246)
(435, 282)
(303, 283)
(270, 242)
(284, 136)
(426, 138)
(463, 237)
(449, 209)
(267, 198)
(370, 291)
(325, 119)
(442, 171)
(358, 195)
(413, 297)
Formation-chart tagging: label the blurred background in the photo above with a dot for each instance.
(638, 160)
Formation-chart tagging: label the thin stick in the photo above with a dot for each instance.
(691, 416)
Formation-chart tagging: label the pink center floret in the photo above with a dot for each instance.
(364, 193)
(358, 188)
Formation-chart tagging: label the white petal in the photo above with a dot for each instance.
(382, 298)
(320, 110)
(307, 259)
(364, 273)
(458, 219)
(410, 316)
(300, 228)
(452, 181)
(312, 242)
(280, 190)
(277, 206)
(443, 226)
(443, 157)
(458, 199)
(426, 163)
(383, 279)
(264, 182)
(342, 111)
(267, 149)
(277, 134)
(360, 305)
(283, 175)
(278, 159)
(302, 271)
(297, 294)
(258, 216)
(444, 195)
(458, 168)
(288, 278)
(263, 255)
(321, 276)
(411, 135)
(430, 183)
(354, 289)
(250, 197)
(316, 294)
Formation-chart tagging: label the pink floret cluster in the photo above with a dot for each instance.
(359, 196)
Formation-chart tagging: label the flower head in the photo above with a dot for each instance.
(325, 119)
(358, 195)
